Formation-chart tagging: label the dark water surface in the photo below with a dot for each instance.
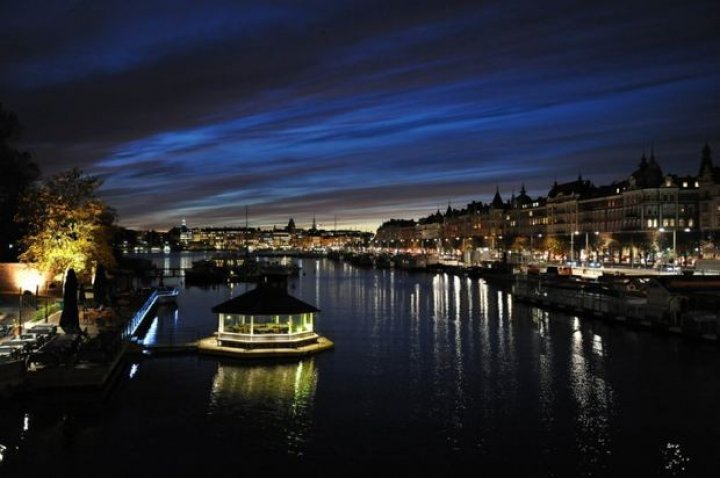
(428, 369)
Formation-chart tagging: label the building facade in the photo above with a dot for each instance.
(649, 217)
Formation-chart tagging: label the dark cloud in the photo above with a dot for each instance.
(363, 109)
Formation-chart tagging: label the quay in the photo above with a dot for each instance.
(681, 305)
(43, 357)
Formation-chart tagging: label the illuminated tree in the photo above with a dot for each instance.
(520, 243)
(68, 225)
(554, 245)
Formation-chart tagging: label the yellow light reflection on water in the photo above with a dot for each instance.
(456, 298)
(592, 393)
(289, 389)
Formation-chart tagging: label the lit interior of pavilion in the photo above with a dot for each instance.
(266, 317)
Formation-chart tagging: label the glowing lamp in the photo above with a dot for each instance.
(28, 279)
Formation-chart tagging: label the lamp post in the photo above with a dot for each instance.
(674, 243)
(597, 237)
(532, 235)
(20, 319)
(674, 239)
(572, 244)
(587, 244)
(531, 246)
(540, 237)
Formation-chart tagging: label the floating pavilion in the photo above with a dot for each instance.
(265, 321)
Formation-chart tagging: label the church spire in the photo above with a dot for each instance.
(497, 201)
(706, 164)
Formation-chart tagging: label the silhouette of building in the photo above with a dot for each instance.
(626, 220)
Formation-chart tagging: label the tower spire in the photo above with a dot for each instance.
(497, 201)
(706, 164)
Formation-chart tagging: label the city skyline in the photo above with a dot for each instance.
(357, 111)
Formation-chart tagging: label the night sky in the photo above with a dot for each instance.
(359, 111)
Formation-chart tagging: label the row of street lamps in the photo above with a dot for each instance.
(572, 240)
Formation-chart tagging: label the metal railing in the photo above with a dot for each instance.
(132, 327)
(266, 337)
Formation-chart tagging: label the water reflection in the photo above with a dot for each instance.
(13, 431)
(428, 368)
(593, 398)
(273, 396)
(546, 376)
(674, 461)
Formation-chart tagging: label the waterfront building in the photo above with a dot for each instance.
(185, 234)
(648, 217)
(396, 234)
(242, 238)
(709, 195)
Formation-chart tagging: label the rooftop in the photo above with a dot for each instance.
(270, 297)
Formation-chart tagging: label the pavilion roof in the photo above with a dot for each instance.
(265, 300)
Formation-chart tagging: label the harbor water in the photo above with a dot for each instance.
(428, 369)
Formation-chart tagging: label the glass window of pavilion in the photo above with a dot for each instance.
(266, 315)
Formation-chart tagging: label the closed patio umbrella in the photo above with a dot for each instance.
(69, 318)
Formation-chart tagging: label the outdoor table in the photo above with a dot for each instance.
(43, 329)
(7, 351)
(61, 343)
(24, 344)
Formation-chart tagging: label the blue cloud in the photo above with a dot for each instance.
(365, 109)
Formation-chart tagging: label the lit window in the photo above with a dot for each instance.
(684, 184)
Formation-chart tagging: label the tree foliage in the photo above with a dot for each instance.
(520, 243)
(68, 225)
(555, 245)
(17, 172)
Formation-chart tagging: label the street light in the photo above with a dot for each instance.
(531, 247)
(674, 239)
(572, 244)
(587, 244)
(531, 243)
(597, 243)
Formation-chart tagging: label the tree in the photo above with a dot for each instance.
(519, 243)
(18, 172)
(68, 225)
(554, 245)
